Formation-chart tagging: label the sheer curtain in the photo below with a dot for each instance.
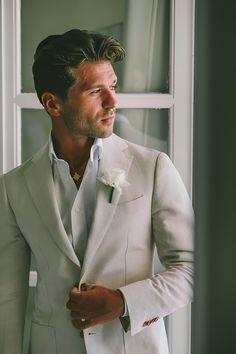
(146, 69)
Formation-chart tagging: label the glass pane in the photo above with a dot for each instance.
(141, 26)
(35, 128)
(42, 18)
(145, 127)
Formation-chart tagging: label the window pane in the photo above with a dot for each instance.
(42, 18)
(141, 26)
(145, 127)
(35, 128)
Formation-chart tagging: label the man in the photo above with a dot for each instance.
(91, 208)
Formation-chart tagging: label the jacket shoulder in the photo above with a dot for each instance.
(137, 150)
(25, 165)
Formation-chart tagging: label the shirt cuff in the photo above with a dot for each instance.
(124, 319)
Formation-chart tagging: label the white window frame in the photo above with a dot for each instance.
(179, 101)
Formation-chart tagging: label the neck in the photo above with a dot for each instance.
(74, 150)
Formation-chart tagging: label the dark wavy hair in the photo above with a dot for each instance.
(56, 54)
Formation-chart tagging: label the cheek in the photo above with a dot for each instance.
(88, 108)
(92, 113)
(91, 103)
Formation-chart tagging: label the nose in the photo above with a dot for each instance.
(109, 99)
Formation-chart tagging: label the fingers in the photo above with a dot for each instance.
(79, 299)
(74, 305)
(77, 315)
(94, 305)
(80, 324)
(79, 321)
(80, 306)
(83, 323)
(76, 293)
(84, 286)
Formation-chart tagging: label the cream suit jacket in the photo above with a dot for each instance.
(153, 211)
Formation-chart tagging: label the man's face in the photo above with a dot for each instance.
(89, 110)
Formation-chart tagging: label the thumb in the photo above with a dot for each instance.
(86, 287)
(74, 292)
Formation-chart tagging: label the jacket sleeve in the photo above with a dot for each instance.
(14, 278)
(172, 227)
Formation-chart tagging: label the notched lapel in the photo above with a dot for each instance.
(114, 156)
(103, 216)
(41, 187)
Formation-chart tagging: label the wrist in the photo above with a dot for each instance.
(122, 307)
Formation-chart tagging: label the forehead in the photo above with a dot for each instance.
(94, 73)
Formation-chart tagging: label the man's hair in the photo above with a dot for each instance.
(57, 54)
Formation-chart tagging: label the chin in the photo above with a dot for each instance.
(103, 134)
(106, 135)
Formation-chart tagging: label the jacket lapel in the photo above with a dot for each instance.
(41, 187)
(114, 156)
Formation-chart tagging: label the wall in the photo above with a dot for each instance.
(215, 178)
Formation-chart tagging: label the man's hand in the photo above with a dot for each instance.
(94, 305)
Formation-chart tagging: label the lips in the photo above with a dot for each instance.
(108, 120)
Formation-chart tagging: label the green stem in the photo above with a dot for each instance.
(111, 195)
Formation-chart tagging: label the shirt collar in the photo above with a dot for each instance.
(95, 152)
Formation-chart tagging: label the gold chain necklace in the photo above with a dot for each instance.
(78, 174)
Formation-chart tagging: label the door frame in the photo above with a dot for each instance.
(179, 100)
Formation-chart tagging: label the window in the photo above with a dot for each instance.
(156, 81)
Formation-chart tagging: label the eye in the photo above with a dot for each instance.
(96, 91)
(114, 87)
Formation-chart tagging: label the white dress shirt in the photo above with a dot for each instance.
(76, 206)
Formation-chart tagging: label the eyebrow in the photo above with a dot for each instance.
(88, 88)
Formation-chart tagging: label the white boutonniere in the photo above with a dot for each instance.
(115, 179)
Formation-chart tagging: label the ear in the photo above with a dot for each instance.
(52, 104)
